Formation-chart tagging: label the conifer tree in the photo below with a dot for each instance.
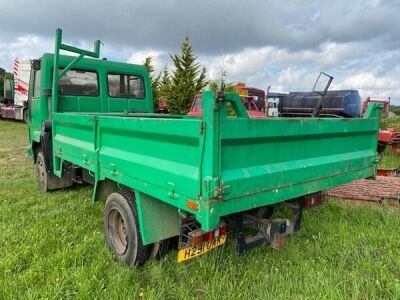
(187, 80)
(164, 83)
(148, 63)
(163, 90)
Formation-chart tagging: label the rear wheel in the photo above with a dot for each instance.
(159, 249)
(264, 212)
(121, 229)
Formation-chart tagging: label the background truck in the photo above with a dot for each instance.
(272, 102)
(257, 95)
(338, 104)
(15, 104)
(252, 98)
(172, 176)
(387, 136)
(248, 102)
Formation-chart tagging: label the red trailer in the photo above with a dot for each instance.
(389, 136)
(252, 98)
(248, 101)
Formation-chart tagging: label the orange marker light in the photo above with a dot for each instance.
(192, 205)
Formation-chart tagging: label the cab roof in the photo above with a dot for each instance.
(93, 63)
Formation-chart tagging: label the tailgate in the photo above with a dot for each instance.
(265, 161)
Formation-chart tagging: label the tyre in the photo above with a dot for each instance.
(121, 229)
(41, 172)
(264, 212)
(160, 249)
(381, 147)
(47, 180)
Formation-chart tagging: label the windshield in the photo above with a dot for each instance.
(258, 96)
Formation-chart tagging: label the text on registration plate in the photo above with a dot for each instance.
(190, 252)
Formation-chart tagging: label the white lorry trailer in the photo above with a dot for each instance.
(15, 104)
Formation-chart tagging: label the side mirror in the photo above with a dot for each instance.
(46, 91)
(35, 64)
(9, 89)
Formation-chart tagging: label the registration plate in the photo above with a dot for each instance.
(190, 252)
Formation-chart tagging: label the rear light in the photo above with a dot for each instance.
(197, 237)
(223, 230)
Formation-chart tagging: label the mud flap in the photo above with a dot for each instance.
(157, 220)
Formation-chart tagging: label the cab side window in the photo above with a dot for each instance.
(125, 86)
(79, 83)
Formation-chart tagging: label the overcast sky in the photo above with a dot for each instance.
(284, 44)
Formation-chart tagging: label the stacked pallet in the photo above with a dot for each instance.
(379, 190)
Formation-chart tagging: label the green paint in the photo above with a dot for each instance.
(157, 220)
(227, 164)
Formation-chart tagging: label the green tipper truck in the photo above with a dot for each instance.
(192, 179)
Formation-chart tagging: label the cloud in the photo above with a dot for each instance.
(354, 66)
(158, 58)
(215, 26)
(259, 42)
(23, 47)
(376, 87)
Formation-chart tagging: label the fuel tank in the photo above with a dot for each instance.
(339, 103)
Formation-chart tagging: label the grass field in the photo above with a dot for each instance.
(52, 246)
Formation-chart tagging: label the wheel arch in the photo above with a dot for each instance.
(103, 188)
(36, 148)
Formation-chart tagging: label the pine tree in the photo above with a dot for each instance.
(164, 83)
(148, 63)
(188, 79)
(164, 88)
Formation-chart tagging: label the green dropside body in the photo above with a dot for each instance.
(224, 164)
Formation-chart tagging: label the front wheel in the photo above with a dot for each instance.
(121, 229)
(47, 180)
(42, 175)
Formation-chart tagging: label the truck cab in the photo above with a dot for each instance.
(273, 100)
(16, 92)
(258, 95)
(91, 86)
